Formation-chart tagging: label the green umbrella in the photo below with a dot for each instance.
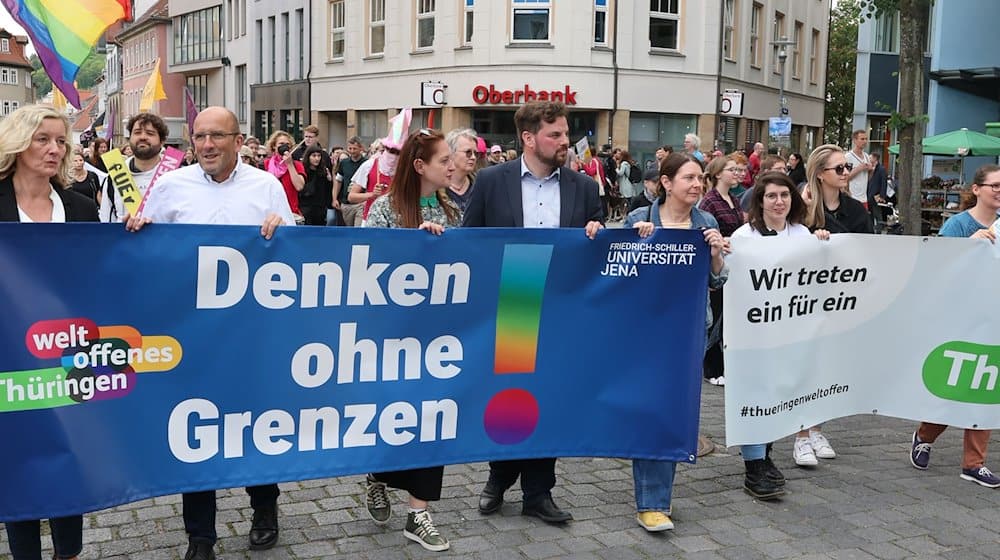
(958, 143)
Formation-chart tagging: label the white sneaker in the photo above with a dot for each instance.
(720, 380)
(821, 446)
(803, 453)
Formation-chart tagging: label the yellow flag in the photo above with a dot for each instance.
(58, 100)
(153, 90)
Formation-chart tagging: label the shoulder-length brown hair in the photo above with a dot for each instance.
(755, 216)
(405, 186)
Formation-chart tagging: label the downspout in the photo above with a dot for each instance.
(614, 80)
(718, 75)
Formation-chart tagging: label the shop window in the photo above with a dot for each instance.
(372, 125)
(425, 24)
(648, 131)
(338, 29)
(664, 24)
(601, 23)
(531, 20)
(468, 7)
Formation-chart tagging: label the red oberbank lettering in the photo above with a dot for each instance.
(482, 94)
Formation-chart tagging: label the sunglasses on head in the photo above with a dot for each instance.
(839, 169)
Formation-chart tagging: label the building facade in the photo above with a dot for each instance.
(279, 89)
(198, 51)
(16, 88)
(635, 74)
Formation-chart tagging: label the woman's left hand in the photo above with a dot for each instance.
(436, 229)
(715, 241)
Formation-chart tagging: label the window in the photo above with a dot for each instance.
(601, 23)
(337, 29)
(198, 84)
(272, 24)
(797, 52)
(531, 20)
(814, 58)
(664, 24)
(376, 27)
(729, 31)
(197, 36)
(241, 93)
(13, 77)
(288, 34)
(755, 17)
(372, 124)
(5, 45)
(778, 34)
(467, 31)
(6, 108)
(237, 18)
(300, 19)
(425, 24)
(259, 27)
(887, 32)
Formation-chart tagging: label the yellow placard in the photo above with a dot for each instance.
(121, 179)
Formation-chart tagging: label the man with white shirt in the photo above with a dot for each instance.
(147, 132)
(220, 189)
(533, 191)
(858, 178)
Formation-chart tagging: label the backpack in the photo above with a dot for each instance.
(634, 174)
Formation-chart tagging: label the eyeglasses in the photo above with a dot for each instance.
(470, 154)
(393, 151)
(839, 169)
(200, 137)
(994, 186)
(736, 170)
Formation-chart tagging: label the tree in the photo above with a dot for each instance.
(86, 76)
(842, 57)
(909, 119)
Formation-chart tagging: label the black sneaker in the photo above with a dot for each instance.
(200, 550)
(774, 476)
(920, 453)
(756, 483)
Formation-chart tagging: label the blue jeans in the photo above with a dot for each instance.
(753, 452)
(26, 544)
(654, 484)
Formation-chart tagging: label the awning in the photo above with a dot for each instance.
(983, 82)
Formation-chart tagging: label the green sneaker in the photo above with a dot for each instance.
(421, 529)
(377, 501)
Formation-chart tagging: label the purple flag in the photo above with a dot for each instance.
(109, 123)
(190, 109)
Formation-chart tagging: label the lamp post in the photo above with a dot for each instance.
(782, 44)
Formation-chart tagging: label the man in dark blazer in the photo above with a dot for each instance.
(533, 191)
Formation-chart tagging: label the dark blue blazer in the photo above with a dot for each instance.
(496, 200)
(78, 207)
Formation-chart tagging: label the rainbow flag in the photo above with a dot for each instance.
(64, 31)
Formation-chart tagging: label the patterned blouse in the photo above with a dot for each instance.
(382, 215)
(729, 217)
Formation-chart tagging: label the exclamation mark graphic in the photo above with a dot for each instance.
(512, 414)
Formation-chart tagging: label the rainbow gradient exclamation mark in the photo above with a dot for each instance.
(512, 414)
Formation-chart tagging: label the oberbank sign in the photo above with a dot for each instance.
(484, 94)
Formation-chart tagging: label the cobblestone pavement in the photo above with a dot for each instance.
(867, 503)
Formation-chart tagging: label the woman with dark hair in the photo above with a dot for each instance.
(417, 199)
(679, 191)
(84, 181)
(98, 146)
(797, 169)
(776, 210)
(318, 188)
(982, 202)
(34, 173)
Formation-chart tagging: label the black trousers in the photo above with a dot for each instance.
(538, 477)
(26, 544)
(713, 364)
(199, 509)
(314, 215)
(423, 484)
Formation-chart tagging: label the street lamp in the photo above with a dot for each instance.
(782, 57)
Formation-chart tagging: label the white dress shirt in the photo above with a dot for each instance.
(540, 199)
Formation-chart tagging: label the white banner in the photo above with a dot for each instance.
(860, 324)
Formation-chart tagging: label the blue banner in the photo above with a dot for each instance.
(186, 358)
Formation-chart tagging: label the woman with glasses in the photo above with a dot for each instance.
(831, 209)
(981, 202)
(776, 210)
(680, 188)
(462, 142)
(416, 199)
(723, 174)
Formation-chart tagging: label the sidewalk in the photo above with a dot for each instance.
(867, 503)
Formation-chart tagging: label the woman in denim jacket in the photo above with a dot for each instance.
(679, 190)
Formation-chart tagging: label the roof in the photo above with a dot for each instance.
(85, 116)
(157, 13)
(16, 56)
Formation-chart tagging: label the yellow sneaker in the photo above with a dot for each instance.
(654, 521)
